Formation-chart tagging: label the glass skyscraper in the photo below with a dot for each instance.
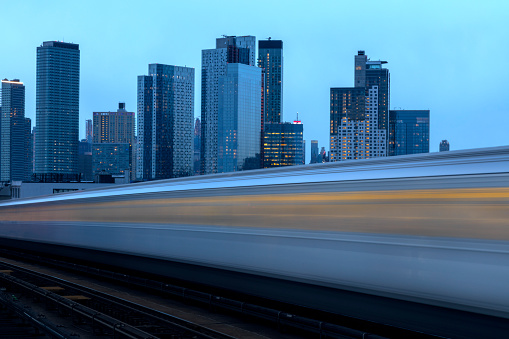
(229, 50)
(238, 124)
(165, 122)
(13, 132)
(57, 108)
(408, 132)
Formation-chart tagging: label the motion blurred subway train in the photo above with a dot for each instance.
(430, 229)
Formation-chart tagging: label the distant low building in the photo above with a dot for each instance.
(444, 145)
(20, 189)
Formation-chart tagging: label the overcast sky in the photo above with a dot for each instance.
(447, 56)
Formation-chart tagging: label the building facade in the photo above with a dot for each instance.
(165, 122)
(113, 138)
(113, 127)
(283, 144)
(229, 50)
(85, 160)
(57, 108)
(444, 146)
(14, 140)
(408, 132)
(238, 124)
(355, 128)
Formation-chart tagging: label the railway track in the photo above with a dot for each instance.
(102, 314)
(284, 321)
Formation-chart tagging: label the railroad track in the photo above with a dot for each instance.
(103, 314)
(283, 320)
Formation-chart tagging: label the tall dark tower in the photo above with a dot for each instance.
(12, 132)
(165, 122)
(370, 73)
(57, 108)
(270, 59)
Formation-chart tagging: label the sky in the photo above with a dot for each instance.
(450, 57)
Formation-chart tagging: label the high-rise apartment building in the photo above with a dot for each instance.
(238, 124)
(370, 73)
(314, 152)
(283, 144)
(57, 108)
(444, 146)
(270, 59)
(13, 138)
(355, 129)
(408, 132)
(113, 127)
(113, 138)
(165, 122)
(229, 50)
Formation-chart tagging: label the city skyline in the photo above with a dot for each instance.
(438, 57)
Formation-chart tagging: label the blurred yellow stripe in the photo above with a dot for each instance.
(469, 212)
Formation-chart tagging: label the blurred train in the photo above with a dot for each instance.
(430, 229)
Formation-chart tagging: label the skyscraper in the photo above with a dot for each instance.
(113, 139)
(57, 108)
(270, 59)
(238, 124)
(229, 50)
(355, 129)
(165, 122)
(13, 138)
(444, 146)
(408, 132)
